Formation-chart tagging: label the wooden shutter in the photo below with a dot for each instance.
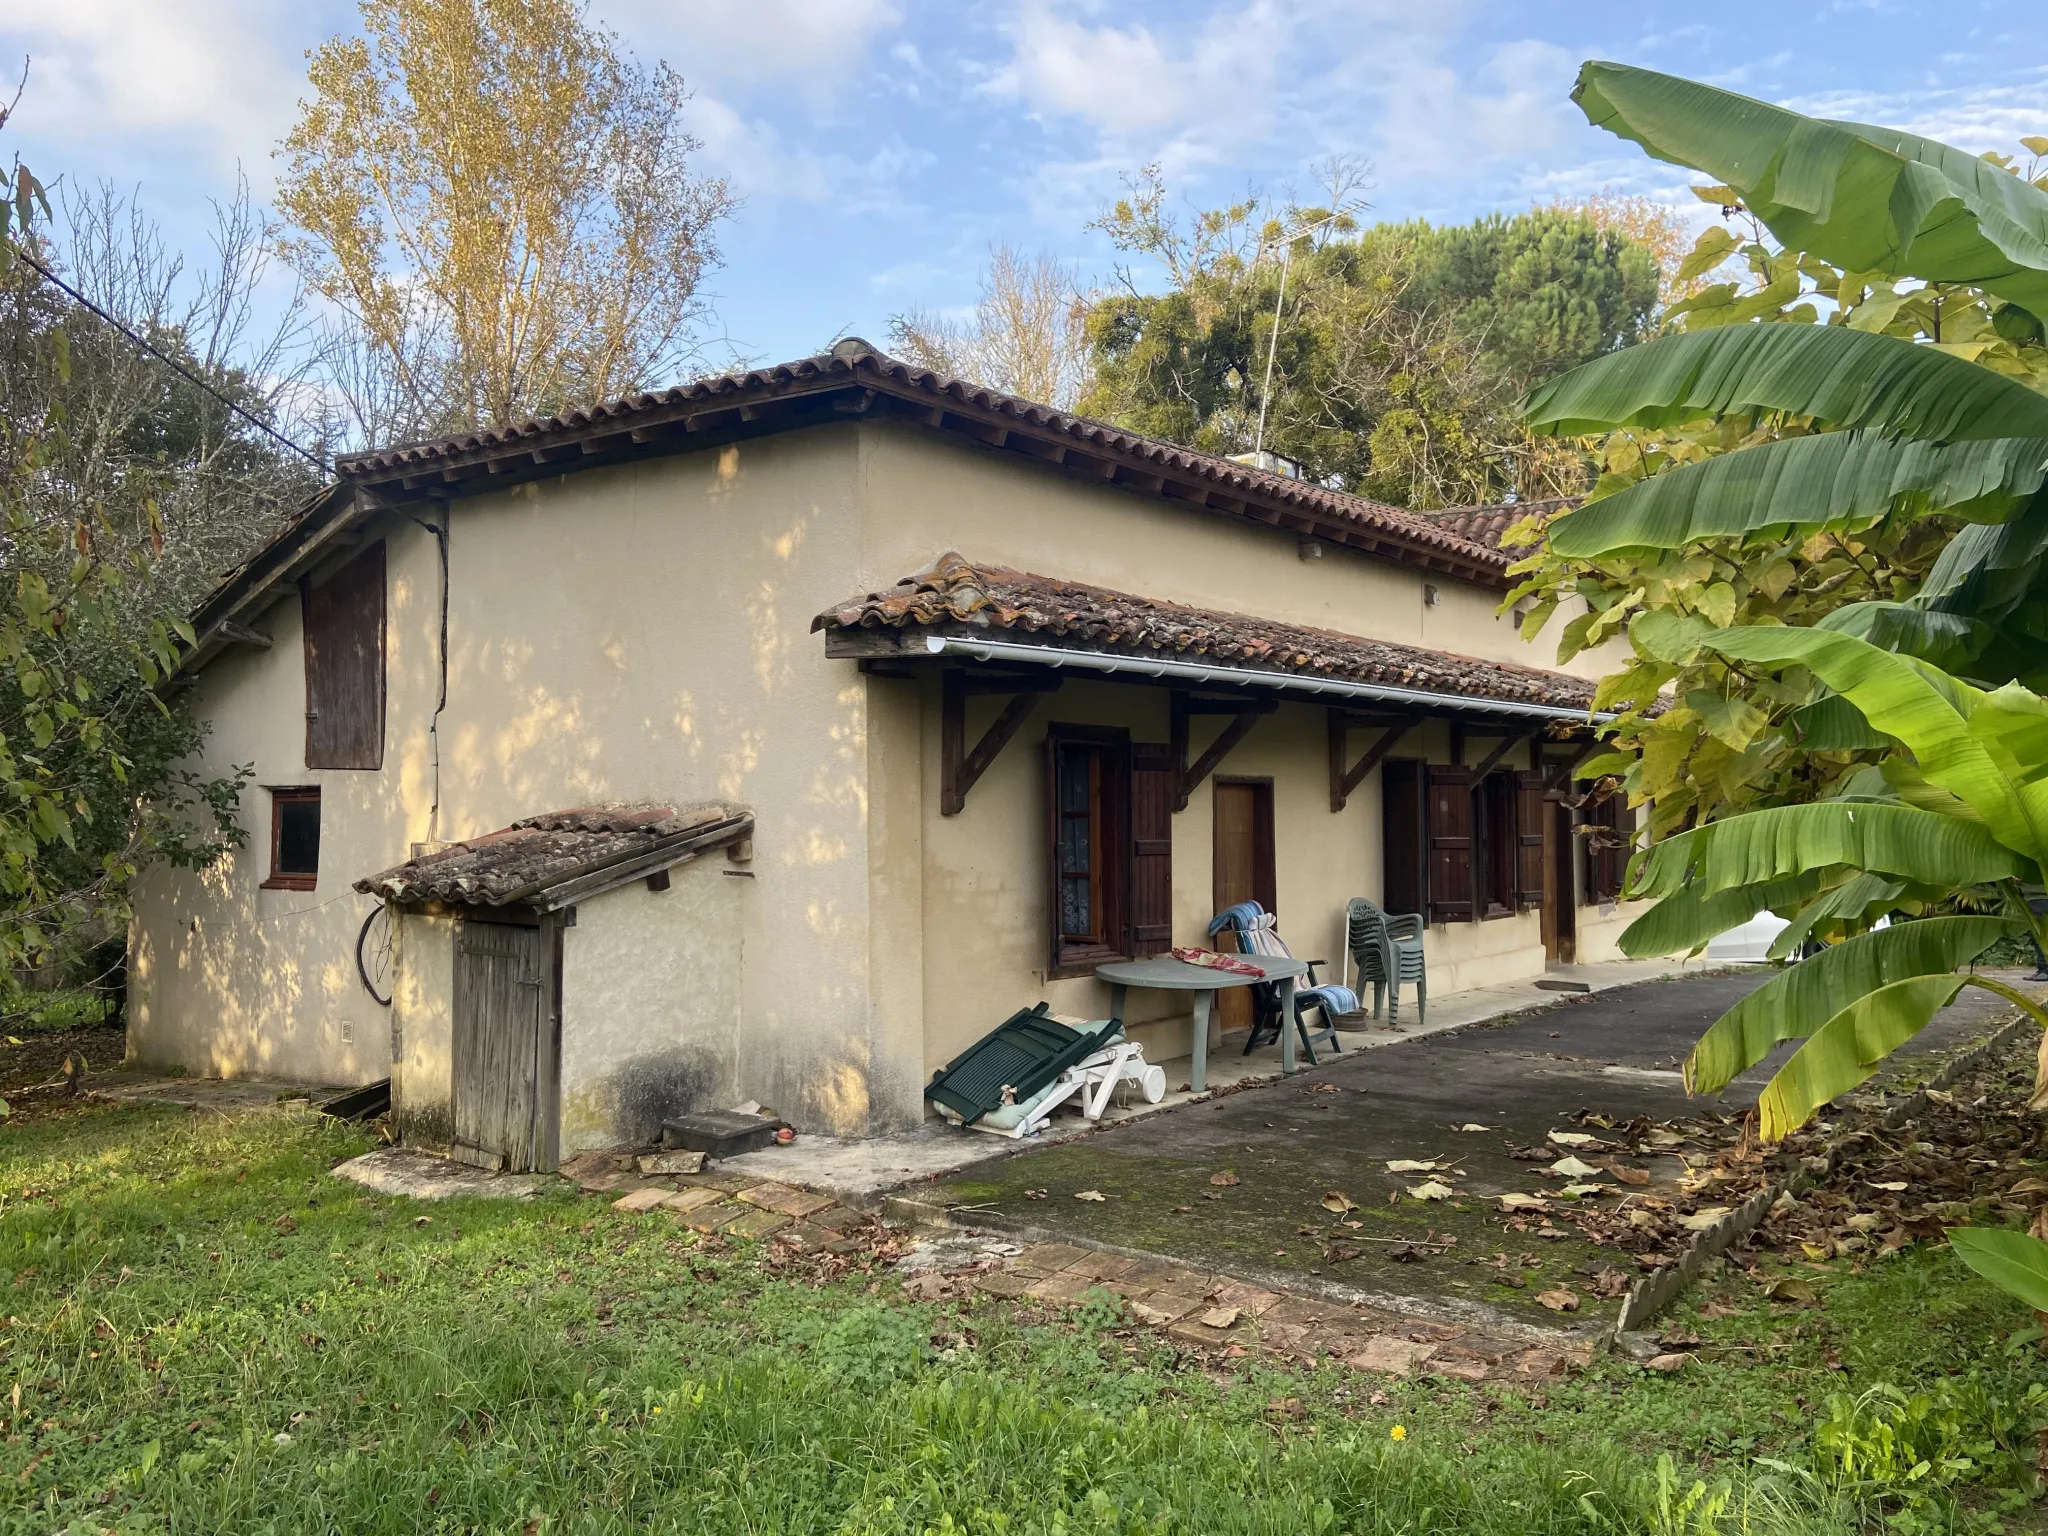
(1404, 822)
(344, 624)
(1450, 844)
(1607, 857)
(1155, 774)
(1530, 809)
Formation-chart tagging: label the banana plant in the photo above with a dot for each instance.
(1959, 805)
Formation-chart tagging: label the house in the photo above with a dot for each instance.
(774, 736)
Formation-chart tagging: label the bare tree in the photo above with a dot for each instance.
(499, 202)
(1024, 335)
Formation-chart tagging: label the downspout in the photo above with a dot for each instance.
(440, 533)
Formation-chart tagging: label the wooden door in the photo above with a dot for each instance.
(504, 1050)
(1243, 869)
(1560, 880)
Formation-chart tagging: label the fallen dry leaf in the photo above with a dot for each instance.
(1413, 1165)
(1892, 1186)
(1431, 1189)
(1034, 1194)
(1864, 1221)
(1673, 1361)
(1632, 1176)
(1182, 1210)
(1091, 1194)
(1220, 1317)
(1523, 1203)
(1563, 1299)
(1339, 1202)
(1790, 1288)
(1572, 1168)
(1471, 1125)
(1700, 1220)
(1572, 1138)
(1578, 1190)
(1224, 1179)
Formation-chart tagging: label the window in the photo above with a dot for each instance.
(344, 623)
(1497, 795)
(1404, 836)
(1607, 828)
(294, 839)
(1090, 785)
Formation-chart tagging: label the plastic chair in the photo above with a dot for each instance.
(1387, 949)
(1256, 934)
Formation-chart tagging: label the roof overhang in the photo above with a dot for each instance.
(911, 647)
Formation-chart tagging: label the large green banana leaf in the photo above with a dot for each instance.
(1987, 570)
(1801, 997)
(1866, 199)
(1928, 713)
(1853, 379)
(1848, 1047)
(1860, 900)
(2014, 1262)
(1835, 479)
(1951, 641)
(1758, 847)
(1689, 916)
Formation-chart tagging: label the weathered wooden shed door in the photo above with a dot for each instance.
(506, 1075)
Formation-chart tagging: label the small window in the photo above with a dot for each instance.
(294, 839)
(1090, 864)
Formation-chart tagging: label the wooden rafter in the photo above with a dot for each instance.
(1346, 776)
(959, 767)
(1246, 713)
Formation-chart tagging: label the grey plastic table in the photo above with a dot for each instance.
(1169, 975)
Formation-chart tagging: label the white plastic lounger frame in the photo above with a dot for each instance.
(1094, 1080)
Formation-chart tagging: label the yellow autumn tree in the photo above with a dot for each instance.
(499, 203)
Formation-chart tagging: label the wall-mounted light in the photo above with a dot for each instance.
(1430, 596)
(1309, 549)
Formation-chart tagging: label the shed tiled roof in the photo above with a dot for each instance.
(522, 863)
(957, 596)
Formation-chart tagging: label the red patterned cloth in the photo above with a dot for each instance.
(1216, 961)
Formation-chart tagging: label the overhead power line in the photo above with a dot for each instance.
(170, 362)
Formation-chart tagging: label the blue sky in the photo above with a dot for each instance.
(881, 145)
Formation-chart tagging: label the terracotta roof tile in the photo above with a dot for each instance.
(959, 596)
(1485, 524)
(854, 361)
(531, 857)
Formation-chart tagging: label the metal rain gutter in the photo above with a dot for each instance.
(1142, 666)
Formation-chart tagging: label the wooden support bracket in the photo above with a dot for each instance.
(1245, 713)
(1507, 745)
(1344, 776)
(959, 768)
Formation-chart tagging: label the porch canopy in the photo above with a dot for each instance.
(996, 630)
(546, 863)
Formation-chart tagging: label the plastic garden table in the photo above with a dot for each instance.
(1169, 975)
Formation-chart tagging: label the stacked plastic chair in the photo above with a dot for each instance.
(1387, 950)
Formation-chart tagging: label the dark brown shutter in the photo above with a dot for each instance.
(1450, 844)
(1607, 852)
(1529, 818)
(1155, 771)
(1404, 821)
(344, 622)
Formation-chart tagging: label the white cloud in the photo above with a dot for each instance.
(732, 44)
(215, 74)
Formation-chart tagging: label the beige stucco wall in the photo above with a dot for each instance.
(652, 1014)
(637, 634)
(641, 634)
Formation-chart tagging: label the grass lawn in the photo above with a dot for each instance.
(201, 1331)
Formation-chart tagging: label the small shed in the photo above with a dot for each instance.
(567, 982)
